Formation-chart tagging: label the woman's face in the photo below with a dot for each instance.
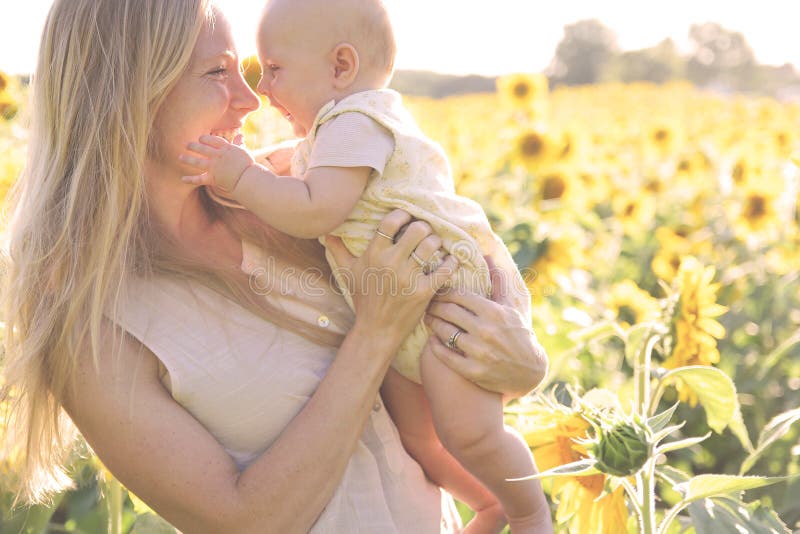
(211, 97)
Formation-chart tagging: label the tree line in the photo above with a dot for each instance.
(720, 59)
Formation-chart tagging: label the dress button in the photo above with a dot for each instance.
(323, 321)
(376, 407)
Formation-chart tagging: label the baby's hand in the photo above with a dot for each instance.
(222, 165)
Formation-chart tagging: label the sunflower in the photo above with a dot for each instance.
(635, 211)
(675, 243)
(8, 107)
(556, 255)
(695, 329)
(523, 91)
(745, 171)
(533, 149)
(631, 304)
(661, 139)
(758, 211)
(552, 432)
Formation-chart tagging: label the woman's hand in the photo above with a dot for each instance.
(389, 284)
(495, 348)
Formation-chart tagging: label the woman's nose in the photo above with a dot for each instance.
(243, 97)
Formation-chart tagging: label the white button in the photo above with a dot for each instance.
(376, 407)
(323, 321)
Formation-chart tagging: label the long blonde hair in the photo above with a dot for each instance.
(79, 226)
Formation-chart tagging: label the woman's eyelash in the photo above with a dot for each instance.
(218, 70)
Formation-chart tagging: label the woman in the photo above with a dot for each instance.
(202, 356)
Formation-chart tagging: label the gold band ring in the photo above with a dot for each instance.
(451, 343)
(387, 236)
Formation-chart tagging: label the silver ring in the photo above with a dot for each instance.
(390, 238)
(422, 263)
(451, 343)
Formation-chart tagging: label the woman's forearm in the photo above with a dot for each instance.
(304, 466)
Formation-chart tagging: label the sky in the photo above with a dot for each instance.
(491, 37)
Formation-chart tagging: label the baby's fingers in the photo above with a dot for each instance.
(198, 163)
(199, 179)
(214, 140)
(204, 149)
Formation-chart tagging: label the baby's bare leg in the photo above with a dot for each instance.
(469, 422)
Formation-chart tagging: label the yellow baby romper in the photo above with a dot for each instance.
(411, 172)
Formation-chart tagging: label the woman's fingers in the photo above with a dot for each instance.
(466, 367)
(443, 275)
(388, 228)
(412, 237)
(476, 304)
(455, 315)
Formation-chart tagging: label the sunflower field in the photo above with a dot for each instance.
(657, 229)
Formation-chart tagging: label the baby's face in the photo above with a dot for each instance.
(297, 72)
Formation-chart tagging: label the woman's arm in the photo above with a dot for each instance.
(165, 456)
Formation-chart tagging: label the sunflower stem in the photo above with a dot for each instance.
(656, 398)
(648, 504)
(114, 505)
(641, 373)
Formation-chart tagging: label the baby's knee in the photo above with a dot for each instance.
(472, 439)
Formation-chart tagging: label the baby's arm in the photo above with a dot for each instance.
(408, 406)
(305, 207)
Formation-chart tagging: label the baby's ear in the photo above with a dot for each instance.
(344, 59)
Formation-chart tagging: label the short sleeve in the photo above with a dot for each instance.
(352, 139)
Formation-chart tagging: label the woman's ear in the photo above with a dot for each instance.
(344, 59)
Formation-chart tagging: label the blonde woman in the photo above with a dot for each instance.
(205, 357)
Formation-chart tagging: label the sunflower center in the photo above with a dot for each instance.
(553, 187)
(629, 210)
(532, 145)
(627, 314)
(755, 207)
(661, 135)
(521, 90)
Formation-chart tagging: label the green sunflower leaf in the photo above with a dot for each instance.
(704, 486)
(716, 392)
(583, 467)
(772, 432)
(711, 516)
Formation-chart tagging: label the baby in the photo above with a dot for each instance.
(325, 66)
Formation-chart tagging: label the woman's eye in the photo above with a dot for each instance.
(219, 71)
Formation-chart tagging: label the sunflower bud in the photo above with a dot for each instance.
(621, 450)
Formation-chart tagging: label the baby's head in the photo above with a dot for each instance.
(314, 51)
